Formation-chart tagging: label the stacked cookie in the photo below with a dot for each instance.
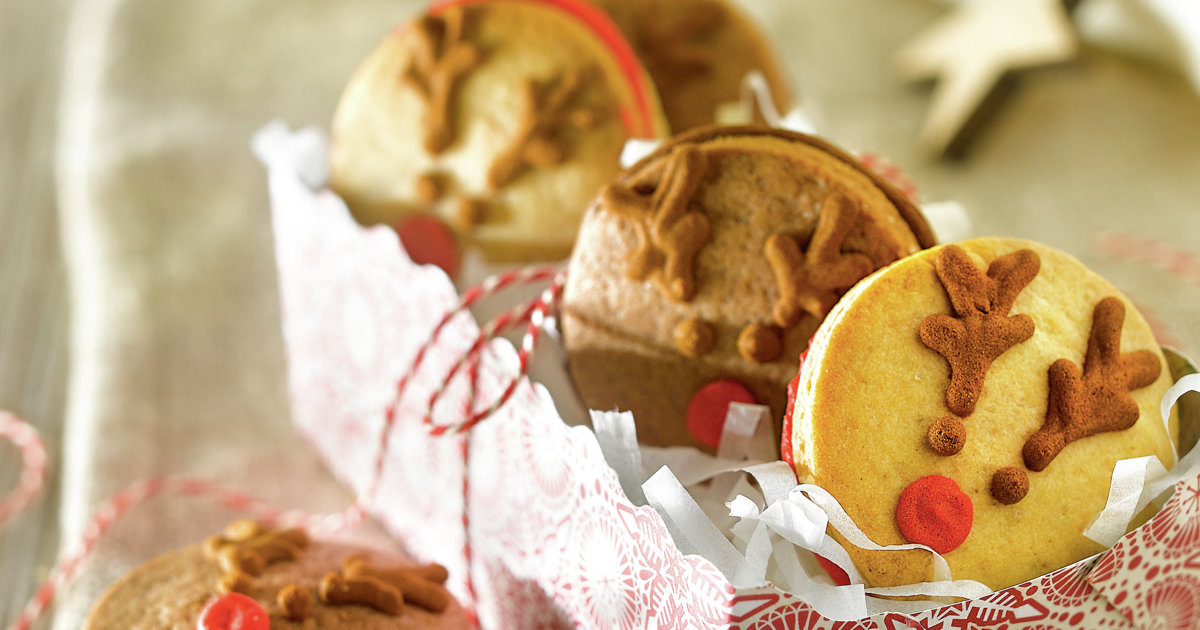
(974, 398)
(492, 123)
(703, 270)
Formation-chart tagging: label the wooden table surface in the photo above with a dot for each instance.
(33, 309)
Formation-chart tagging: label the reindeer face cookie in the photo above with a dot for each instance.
(277, 579)
(974, 398)
(501, 118)
(701, 273)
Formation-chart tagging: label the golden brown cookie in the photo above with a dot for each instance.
(501, 118)
(697, 52)
(701, 273)
(280, 577)
(974, 398)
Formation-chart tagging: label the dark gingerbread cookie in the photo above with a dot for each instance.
(714, 259)
(281, 578)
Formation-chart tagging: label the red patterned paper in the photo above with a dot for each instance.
(554, 542)
(1153, 575)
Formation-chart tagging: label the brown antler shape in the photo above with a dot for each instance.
(545, 109)
(419, 585)
(669, 233)
(339, 590)
(1098, 400)
(672, 47)
(980, 330)
(811, 281)
(440, 60)
(249, 548)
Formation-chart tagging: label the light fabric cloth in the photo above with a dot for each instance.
(177, 360)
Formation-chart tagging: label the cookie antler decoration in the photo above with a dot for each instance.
(419, 585)
(1081, 405)
(669, 233)
(248, 547)
(981, 329)
(545, 109)
(811, 281)
(441, 58)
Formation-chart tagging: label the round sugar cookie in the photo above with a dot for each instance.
(499, 117)
(698, 52)
(281, 579)
(947, 401)
(703, 270)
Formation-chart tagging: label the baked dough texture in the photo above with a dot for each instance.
(671, 288)
(698, 52)
(870, 387)
(168, 593)
(501, 118)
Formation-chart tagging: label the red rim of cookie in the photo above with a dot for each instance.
(785, 442)
(708, 407)
(638, 121)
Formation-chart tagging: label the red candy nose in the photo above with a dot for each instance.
(934, 511)
(428, 241)
(233, 611)
(708, 406)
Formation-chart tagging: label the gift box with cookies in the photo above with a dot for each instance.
(835, 422)
(978, 416)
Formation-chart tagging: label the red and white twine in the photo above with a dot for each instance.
(490, 286)
(534, 313)
(33, 452)
(33, 464)
(117, 506)
(1180, 263)
(892, 173)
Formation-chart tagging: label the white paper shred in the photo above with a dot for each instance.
(618, 441)
(756, 96)
(302, 152)
(666, 495)
(1138, 481)
(635, 149)
(1129, 478)
(769, 530)
(948, 220)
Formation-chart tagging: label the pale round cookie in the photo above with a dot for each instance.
(502, 118)
(302, 584)
(1006, 429)
(698, 52)
(701, 273)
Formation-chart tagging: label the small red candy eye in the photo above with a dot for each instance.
(708, 406)
(233, 611)
(935, 512)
